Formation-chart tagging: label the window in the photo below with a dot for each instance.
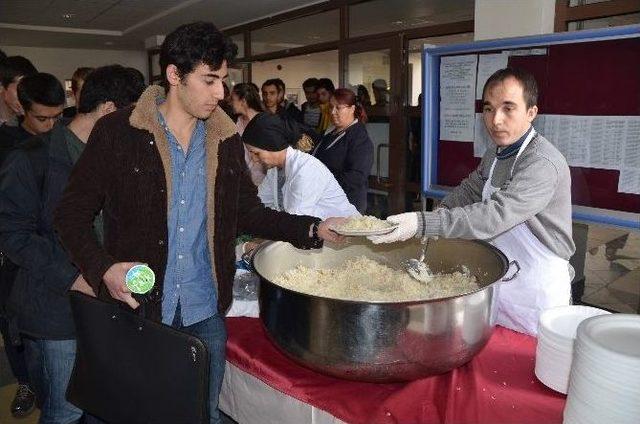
(370, 73)
(611, 21)
(314, 29)
(415, 60)
(239, 40)
(574, 3)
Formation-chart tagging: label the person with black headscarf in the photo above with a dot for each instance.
(296, 182)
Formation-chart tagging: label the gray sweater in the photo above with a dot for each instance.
(538, 193)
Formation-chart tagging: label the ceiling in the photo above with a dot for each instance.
(121, 24)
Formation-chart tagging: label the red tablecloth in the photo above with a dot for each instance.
(497, 386)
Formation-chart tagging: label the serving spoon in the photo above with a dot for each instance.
(416, 267)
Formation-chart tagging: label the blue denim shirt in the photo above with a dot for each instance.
(188, 277)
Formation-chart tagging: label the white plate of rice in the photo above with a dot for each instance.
(365, 226)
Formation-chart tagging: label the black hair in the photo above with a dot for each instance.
(526, 80)
(138, 78)
(113, 83)
(191, 45)
(3, 55)
(40, 88)
(14, 67)
(327, 84)
(80, 74)
(362, 95)
(310, 83)
(248, 92)
(279, 84)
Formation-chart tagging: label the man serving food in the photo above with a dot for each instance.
(518, 199)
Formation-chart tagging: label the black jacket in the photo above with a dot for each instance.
(10, 138)
(349, 159)
(32, 181)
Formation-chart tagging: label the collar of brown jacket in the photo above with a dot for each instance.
(219, 129)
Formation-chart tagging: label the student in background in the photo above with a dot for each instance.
(77, 81)
(13, 69)
(273, 97)
(32, 181)
(245, 101)
(311, 112)
(324, 91)
(42, 100)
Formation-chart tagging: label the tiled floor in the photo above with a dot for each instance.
(612, 270)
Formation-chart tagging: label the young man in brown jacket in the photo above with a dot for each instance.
(171, 180)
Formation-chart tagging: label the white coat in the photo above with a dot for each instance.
(309, 189)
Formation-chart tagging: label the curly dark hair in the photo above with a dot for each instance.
(193, 44)
(112, 83)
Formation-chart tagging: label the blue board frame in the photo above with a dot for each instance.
(430, 114)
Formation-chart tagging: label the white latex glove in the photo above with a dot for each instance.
(407, 228)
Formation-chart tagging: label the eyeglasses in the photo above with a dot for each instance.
(338, 108)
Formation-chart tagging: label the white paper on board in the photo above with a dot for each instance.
(457, 97)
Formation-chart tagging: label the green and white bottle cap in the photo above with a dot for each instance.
(140, 279)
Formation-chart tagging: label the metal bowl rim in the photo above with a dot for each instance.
(502, 256)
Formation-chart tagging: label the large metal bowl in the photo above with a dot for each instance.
(380, 341)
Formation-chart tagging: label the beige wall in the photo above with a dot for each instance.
(513, 18)
(62, 62)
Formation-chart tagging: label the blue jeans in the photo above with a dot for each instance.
(50, 363)
(213, 334)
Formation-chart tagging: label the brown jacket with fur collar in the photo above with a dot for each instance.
(125, 171)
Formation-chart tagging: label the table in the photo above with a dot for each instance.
(497, 386)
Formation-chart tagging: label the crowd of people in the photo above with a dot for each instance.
(67, 174)
(171, 175)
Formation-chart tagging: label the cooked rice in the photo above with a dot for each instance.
(364, 279)
(366, 222)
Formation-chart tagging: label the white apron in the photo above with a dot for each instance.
(543, 281)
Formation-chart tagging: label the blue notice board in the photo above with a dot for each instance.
(584, 74)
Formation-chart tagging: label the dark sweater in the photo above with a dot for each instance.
(350, 160)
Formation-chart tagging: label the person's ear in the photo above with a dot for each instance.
(532, 113)
(106, 108)
(173, 75)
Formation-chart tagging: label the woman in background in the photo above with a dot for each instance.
(245, 101)
(346, 148)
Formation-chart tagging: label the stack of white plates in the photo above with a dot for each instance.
(556, 334)
(605, 377)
